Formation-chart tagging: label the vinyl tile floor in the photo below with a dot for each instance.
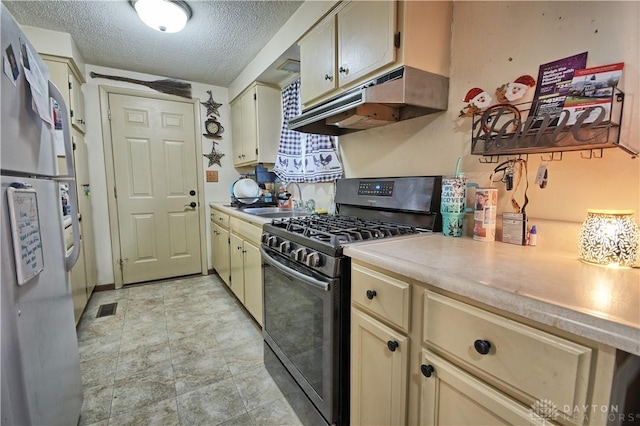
(181, 352)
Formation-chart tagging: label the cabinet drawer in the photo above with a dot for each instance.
(220, 218)
(248, 231)
(529, 361)
(382, 295)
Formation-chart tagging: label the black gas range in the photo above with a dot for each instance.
(307, 288)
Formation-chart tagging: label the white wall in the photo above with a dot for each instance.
(218, 191)
(494, 43)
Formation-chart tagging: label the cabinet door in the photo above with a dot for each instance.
(253, 281)
(378, 373)
(249, 127)
(237, 267)
(220, 252)
(318, 61)
(366, 31)
(76, 103)
(79, 287)
(450, 396)
(84, 207)
(236, 128)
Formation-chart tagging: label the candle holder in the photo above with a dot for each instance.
(609, 237)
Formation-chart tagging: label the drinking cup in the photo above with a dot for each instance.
(452, 224)
(454, 195)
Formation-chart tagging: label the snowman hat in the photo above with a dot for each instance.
(471, 94)
(525, 80)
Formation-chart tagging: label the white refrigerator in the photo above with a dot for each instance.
(41, 380)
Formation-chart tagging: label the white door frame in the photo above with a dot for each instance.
(114, 225)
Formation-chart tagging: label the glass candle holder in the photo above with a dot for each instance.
(609, 237)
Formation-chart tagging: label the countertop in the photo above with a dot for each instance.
(553, 288)
(225, 207)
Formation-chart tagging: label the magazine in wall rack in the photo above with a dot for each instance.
(592, 88)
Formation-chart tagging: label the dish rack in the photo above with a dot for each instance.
(250, 202)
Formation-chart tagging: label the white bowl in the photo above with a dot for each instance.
(246, 191)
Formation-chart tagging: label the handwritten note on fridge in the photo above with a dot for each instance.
(25, 227)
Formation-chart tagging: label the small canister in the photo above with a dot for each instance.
(484, 214)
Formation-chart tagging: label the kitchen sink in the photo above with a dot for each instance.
(276, 212)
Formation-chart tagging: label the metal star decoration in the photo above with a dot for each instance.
(212, 106)
(214, 157)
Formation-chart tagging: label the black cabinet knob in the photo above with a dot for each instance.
(371, 294)
(482, 346)
(192, 192)
(392, 345)
(427, 370)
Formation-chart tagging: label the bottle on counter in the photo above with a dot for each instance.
(533, 236)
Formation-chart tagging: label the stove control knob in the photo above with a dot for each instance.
(299, 254)
(313, 259)
(264, 238)
(272, 241)
(285, 247)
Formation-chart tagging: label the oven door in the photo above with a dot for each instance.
(301, 317)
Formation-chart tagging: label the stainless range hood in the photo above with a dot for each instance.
(395, 96)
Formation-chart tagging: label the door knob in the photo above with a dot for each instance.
(191, 204)
(392, 345)
(192, 192)
(371, 294)
(328, 77)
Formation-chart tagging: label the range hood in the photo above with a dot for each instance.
(395, 96)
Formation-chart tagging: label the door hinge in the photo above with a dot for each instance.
(109, 113)
(115, 192)
(71, 113)
(396, 40)
(70, 85)
(255, 96)
(256, 151)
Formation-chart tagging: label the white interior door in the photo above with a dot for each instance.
(154, 156)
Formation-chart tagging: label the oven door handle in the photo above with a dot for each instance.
(293, 273)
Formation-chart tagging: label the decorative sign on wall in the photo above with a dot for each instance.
(213, 129)
(25, 230)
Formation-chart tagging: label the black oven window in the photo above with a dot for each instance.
(293, 319)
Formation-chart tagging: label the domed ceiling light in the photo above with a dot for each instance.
(167, 16)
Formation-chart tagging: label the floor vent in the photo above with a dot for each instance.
(106, 310)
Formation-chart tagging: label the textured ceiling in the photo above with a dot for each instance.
(220, 39)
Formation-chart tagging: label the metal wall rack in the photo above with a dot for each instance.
(506, 130)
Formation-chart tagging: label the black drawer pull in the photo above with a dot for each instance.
(371, 294)
(482, 346)
(392, 345)
(427, 370)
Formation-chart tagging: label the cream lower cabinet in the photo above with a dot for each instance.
(449, 396)
(378, 372)
(220, 252)
(468, 365)
(379, 348)
(246, 266)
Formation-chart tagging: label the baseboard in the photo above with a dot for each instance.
(104, 287)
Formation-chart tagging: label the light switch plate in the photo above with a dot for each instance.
(212, 175)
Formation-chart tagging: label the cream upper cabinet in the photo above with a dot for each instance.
(366, 32)
(256, 119)
(346, 46)
(361, 39)
(318, 61)
(76, 103)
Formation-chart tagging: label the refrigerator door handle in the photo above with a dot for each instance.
(72, 257)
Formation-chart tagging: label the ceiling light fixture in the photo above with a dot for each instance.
(167, 16)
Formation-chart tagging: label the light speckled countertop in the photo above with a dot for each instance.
(225, 207)
(557, 289)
